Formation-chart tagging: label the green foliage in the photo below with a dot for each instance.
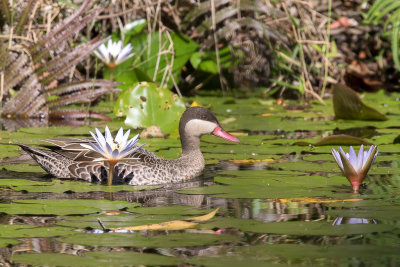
(389, 11)
(207, 61)
(144, 105)
(159, 56)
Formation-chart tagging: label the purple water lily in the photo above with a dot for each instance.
(354, 167)
(112, 150)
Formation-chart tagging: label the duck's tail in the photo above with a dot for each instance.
(52, 162)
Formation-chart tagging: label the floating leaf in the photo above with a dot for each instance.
(4, 242)
(171, 225)
(145, 105)
(25, 231)
(319, 228)
(62, 206)
(96, 259)
(338, 139)
(156, 241)
(61, 186)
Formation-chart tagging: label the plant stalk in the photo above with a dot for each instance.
(111, 172)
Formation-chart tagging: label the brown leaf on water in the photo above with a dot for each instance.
(347, 105)
(171, 225)
(203, 218)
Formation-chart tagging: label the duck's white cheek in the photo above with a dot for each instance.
(199, 127)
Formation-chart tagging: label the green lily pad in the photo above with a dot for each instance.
(319, 228)
(145, 105)
(8, 151)
(23, 168)
(62, 206)
(25, 231)
(96, 259)
(138, 240)
(170, 210)
(4, 242)
(301, 254)
(61, 186)
(245, 185)
(232, 261)
(315, 255)
(340, 139)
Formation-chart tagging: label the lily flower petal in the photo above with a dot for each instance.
(337, 159)
(354, 167)
(119, 136)
(100, 138)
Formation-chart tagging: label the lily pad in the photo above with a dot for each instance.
(340, 139)
(319, 228)
(138, 240)
(61, 186)
(145, 105)
(22, 168)
(25, 231)
(169, 210)
(62, 206)
(270, 186)
(96, 259)
(4, 242)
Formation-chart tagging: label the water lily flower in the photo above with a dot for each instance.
(112, 150)
(354, 167)
(114, 53)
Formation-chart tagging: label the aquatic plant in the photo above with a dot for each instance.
(112, 150)
(354, 167)
(114, 53)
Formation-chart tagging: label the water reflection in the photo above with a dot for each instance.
(344, 220)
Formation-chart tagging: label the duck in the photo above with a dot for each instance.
(69, 157)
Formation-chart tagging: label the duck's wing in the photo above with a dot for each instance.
(71, 144)
(53, 163)
(89, 171)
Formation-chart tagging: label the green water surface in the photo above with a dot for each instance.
(282, 199)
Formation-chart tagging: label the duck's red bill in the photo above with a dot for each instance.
(225, 135)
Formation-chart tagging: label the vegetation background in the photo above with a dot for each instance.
(280, 49)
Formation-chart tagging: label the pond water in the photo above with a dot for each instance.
(280, 201)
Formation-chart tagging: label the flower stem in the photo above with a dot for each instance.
(112, 79)
(355, 189)
(111, 173)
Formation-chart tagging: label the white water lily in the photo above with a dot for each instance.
(354, 167)
(112, 150)
(114, 53)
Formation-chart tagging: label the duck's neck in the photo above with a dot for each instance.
(190, 144)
